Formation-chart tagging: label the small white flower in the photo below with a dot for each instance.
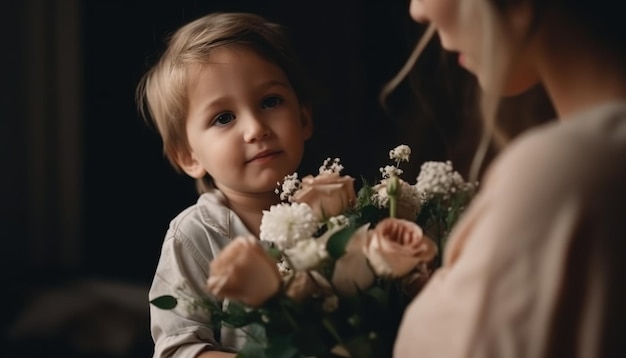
(331, 166)
(283, 268)
(439, 178)
(400, 153)
(291, 184)
(306, 254)
(389, 170)
(380, 199)
(338, 221)
(408, 195)
(285, 224)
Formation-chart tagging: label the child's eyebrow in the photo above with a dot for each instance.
(272, 83)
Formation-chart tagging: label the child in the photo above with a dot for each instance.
(535, 267)
(233, 109)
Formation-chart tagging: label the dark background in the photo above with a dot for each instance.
(86, 194)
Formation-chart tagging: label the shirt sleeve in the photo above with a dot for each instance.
(181, 272)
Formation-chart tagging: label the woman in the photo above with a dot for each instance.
(534, 267)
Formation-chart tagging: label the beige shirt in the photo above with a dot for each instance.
(194, 238)
(537, 266)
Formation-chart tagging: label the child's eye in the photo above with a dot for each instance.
(271, 102)
(223, 119)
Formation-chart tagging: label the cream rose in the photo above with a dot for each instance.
(244, 272)
(351, 270)
(396, 246)
(328, 194)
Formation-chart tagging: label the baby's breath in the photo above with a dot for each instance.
(331, 166)
(389, 170)
(407, 195)
(401, 153)
(283, 268)
(338, 221)
(291, 184)
(439, 178)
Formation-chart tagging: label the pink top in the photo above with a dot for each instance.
(537, 266)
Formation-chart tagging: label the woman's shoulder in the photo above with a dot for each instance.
(602, 126)
(585, 149)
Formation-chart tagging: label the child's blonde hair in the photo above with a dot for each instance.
(162, 96)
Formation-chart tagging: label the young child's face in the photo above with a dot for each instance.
(245, 125)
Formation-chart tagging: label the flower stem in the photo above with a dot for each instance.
(289, 318)
(392, 206)
(331, 329)
(392, 193)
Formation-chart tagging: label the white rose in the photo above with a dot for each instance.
(306, 254)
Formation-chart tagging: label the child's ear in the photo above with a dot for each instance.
(306, 114)
(190, 165)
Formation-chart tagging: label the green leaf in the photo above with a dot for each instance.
(425, 214)
(282, 346)
(274, 253)
(364, 196)
(255, 343)
(238, 315)
(313, 339)
(251, 349)
(256, 332)
(166, 302)
(336, 245)
(371, 213)
(378, 295)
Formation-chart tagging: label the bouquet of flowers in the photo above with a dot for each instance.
(334, 270)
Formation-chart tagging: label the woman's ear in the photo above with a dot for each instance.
(190, 165)
(306, 115)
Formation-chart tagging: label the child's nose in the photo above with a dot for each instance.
(255, 128)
